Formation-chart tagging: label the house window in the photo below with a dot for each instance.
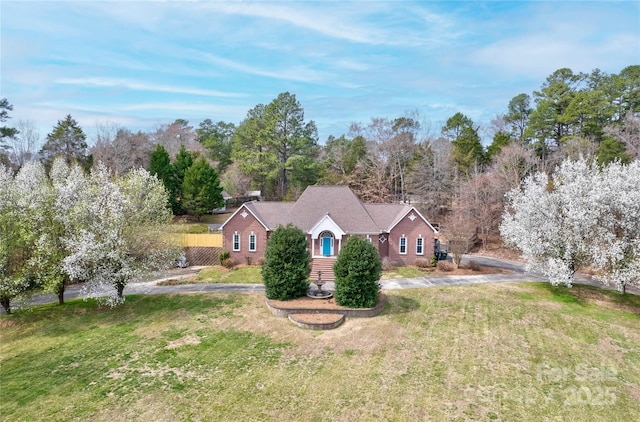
(252, 242)
(403, 245)
(419, 246)
(236, 241)
(368, 239)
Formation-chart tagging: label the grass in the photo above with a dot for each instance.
(219, 274)
(486, 352)
(405, 272)
(251, 275)
(188, 224)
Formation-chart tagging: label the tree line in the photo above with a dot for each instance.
(446, 172)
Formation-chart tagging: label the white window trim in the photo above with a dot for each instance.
(400, 245)
(236, 235)
(420, 238)
(255, 242)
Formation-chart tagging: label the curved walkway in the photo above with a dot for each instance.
(519, 274)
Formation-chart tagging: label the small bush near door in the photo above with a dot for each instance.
(357, 271)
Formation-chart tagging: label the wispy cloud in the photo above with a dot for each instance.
(186, 107)
(324, 23)
(143, 86)
(141, 61)
(293, 73)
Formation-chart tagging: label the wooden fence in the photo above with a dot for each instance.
(200, 240)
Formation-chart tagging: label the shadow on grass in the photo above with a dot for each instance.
(563, 294)
(398, 304)
(135, 309)
(583, 295)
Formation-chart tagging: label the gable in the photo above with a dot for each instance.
(411, 214)
(242, 213)
(326, 223)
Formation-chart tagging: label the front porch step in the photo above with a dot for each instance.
(325, 265)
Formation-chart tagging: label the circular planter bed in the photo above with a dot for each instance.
(321, 308)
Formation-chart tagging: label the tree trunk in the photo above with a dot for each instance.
(5, 301)
(61, 296)
(120, 287)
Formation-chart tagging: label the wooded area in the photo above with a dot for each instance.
(456, 182)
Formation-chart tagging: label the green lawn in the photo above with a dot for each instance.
(405, 272)
(252, 275)
(486, 352)
(218, 274)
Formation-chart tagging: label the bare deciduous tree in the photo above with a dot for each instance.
(173, 135)
(432, 176)
(120, 150)
(23, 147)
(628, 132)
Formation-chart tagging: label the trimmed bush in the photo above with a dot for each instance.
(228, 263)
(474, 266)
(422, 263)
(446, 266)
(287, 264)
(357, 271)
(388, 264)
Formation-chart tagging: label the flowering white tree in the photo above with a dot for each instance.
(19, 197)
(584, 214)
(49, 249)
(115, 229)
(615, 249)
(11, 284)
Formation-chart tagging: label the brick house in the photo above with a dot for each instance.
(329, 215)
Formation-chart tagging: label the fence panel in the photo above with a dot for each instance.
(201, 240)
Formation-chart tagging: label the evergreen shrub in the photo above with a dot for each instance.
(357, 272)
(287, 264)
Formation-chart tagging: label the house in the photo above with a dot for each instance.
(329, 215)
(226, 198)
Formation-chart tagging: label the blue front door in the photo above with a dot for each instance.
(326, 246)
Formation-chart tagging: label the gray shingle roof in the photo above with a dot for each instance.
(342, 205)
(385, 215)
(269, 213)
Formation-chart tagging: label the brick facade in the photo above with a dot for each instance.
(332, 209)
(244, 225)
(410, 228)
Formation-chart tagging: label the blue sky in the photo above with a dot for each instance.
(141, 64)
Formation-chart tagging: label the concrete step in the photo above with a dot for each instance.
(317, 321)
(325, 266)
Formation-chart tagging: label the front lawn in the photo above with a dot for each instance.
(485, 352)
(218, 274)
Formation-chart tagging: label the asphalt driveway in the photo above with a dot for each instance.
(518, 274)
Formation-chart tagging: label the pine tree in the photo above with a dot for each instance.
(201, 191)
(67, 140)
(161, 167)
